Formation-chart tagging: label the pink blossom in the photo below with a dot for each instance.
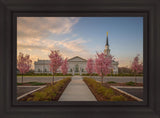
(103, 64)
(90, 66)
(64, 67)
(136, 66)
(56, 62)
(23, 63)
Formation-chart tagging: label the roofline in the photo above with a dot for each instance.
(78, 57)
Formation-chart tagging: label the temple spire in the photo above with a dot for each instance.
(107, 40)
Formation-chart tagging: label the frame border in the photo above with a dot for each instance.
(8, 7)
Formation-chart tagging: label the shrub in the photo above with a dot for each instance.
(118, 98)
(109, 93)
(39, 96)
(94, 74)
(29, 99)
(50, 92)
(85, 74)
(101, 90)
(111, 82)
(106, 93)
(19, 84)
(36, 83)
(130, 83)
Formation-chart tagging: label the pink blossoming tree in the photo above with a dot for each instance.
(23, 63)
(55, 62)
(103, 65)
(136, 67)
(64, 67)
(90, 66)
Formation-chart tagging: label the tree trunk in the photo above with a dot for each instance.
(102, 80)
(135, 79)
(53, 80)
(22, 78)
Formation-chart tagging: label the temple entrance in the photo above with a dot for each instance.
(76, 70)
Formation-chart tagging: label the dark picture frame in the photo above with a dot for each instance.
(148, 9)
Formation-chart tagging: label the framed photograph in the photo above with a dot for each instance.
(81, 62)
(79, 59)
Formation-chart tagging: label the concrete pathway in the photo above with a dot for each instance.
(77, 90)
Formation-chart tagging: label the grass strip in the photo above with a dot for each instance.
(49, 93)
(102, 93)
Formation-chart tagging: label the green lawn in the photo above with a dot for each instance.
(103, 93)
(49, 93)
(111, 82)
(130, 83)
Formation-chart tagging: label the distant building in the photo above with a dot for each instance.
(76, 64)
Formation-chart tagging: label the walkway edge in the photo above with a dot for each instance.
(134, 97)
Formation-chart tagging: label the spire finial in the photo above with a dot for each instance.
(107, 40)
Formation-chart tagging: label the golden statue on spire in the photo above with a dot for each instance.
(107, 33)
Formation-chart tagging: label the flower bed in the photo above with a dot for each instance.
(105, 93)
(49, 93)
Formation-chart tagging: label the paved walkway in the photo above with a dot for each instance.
(77, 90)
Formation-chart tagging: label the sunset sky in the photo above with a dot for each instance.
(80, 36)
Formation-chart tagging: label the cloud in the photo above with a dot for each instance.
(40, 27)
(33, 37)
(32, 33)
(74, 35)
(74, 45)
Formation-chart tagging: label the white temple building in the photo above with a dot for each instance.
(76, 64)
(107, 52)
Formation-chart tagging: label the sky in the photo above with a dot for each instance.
(81, 36)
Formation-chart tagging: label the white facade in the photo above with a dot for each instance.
(114, 63)
(76, 64)
(42, 66)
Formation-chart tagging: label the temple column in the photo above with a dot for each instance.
(72, 71)
(80, 71)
